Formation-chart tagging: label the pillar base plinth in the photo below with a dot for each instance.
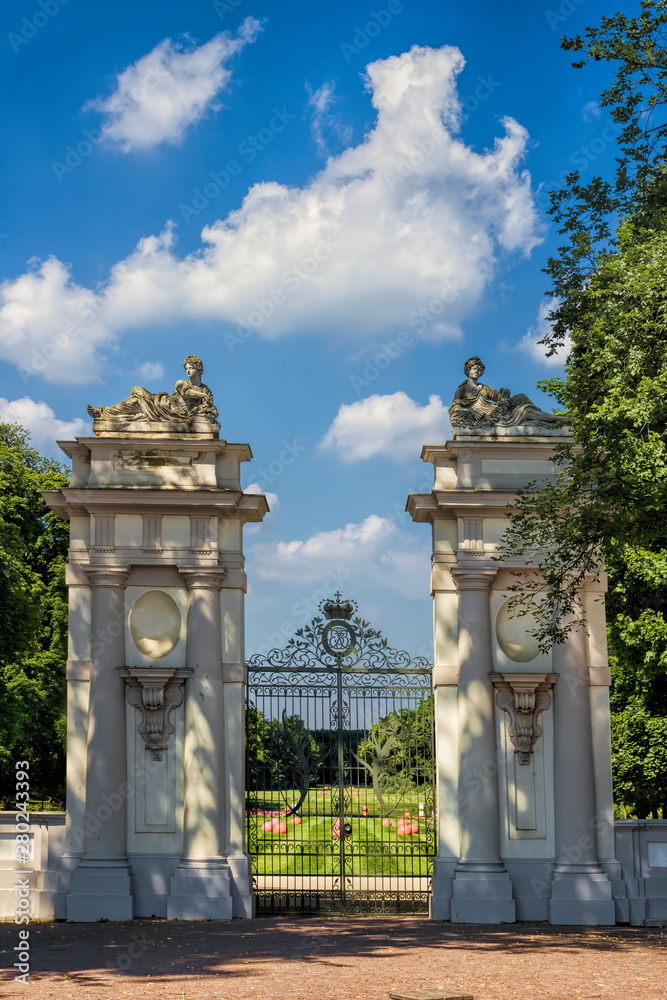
(243, 898)
(100, 890)
(581, 894)
(482, 894)
(200, 890)
(440, 902)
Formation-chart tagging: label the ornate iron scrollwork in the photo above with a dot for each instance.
(338, 640)
(340, 765)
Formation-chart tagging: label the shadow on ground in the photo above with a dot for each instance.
(233, 950)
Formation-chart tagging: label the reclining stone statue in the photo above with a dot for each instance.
(479, 406)
(190, 405)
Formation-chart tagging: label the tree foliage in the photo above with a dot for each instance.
(33, 618)
(281, 754)
(587, 213)
(609, 499)
(608, 503)
(640, 762)
(398, 750)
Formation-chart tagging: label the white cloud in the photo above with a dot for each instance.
(590, 111)
(374, 550)
(272, 498)
(161, 94)
(51, 326)
(393, 426)
(150, 370)
(530, 342)
(403, 231)
(45, 428)
(320, 102)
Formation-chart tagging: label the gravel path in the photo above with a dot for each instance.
(349, 958)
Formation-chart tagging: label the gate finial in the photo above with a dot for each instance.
(338, 608)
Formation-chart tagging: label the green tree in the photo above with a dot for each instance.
(398, 750)
(292, 755)
(256, 732)
(607, 505)
(640, 762)
(608, 283)
(635, 48)
(281, 754)
(609, 500)
(33, 618)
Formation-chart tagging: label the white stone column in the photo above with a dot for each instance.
(600, 680)
(482, 890)
(234, 683)
(101, 885)
(580, 890)
(200, 887)
(445, 680)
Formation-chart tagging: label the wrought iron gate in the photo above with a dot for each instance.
(340, 804)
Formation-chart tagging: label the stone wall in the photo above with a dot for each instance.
(641, 848)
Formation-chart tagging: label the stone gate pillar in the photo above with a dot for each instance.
(525, 814)
(580, 889)
(104, 870)
(480, 875)
(155, 673)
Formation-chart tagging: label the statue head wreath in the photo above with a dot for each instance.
(473, 363)
(196, 362)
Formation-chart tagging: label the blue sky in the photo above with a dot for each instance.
(332, 204)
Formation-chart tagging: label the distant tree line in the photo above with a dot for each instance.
(33, 620)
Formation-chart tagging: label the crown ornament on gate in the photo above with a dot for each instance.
(337, 608)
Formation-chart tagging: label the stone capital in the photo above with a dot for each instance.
(106, 576)
(203, 577)
(473, 578)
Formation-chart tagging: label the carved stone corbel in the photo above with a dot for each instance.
(156, 693)
(524, 697)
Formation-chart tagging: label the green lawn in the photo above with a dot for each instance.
(371, 848)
